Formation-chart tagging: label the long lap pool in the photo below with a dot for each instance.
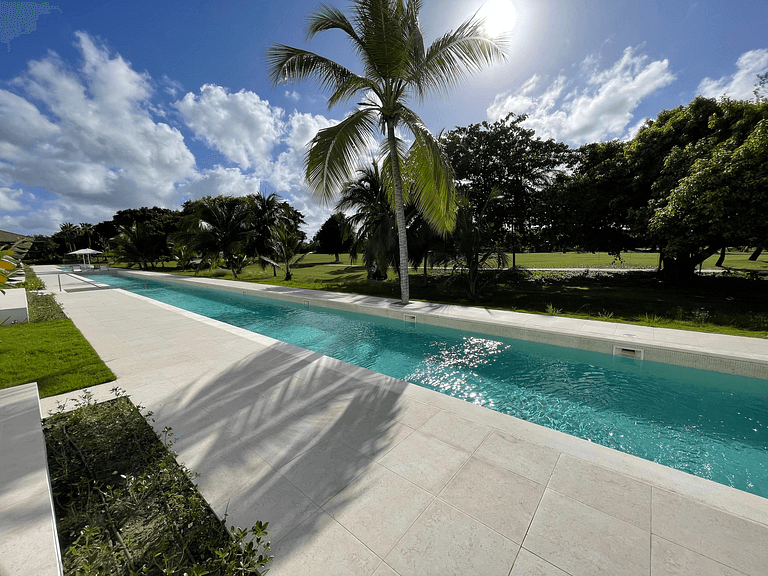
(705, 423)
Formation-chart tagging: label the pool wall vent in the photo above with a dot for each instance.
(628, 352)
(306, 303)
(409, 318)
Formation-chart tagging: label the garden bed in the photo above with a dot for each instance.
(124, 505)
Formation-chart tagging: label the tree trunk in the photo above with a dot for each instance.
(397, 181)
(337, 259)
(720, 260)
(756, 254)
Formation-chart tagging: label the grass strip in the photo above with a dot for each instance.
(53, 353)
(124, 505)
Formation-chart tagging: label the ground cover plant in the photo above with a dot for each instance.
(49, 350)
(124, 505)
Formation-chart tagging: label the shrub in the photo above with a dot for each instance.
(125, 506)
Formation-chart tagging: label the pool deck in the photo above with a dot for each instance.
(363, 474)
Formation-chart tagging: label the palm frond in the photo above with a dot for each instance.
(330, 18)
(428, 169)
(299, 257)
(458, 52)
(270, 261)
(289, 64)
(335, 151)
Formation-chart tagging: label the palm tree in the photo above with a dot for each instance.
(285, 243)
(372, 215)
(386, 36)
(135, 243)
(69, 231)
(86, 230)
(223, 228)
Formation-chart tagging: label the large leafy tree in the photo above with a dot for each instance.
(722, 201)
(505, 161)
(396, 66)
(698, 165)
(590, 206)
(334, 236)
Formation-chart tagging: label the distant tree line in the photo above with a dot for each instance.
(226, 231)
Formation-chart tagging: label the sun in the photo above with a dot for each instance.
(499, 15)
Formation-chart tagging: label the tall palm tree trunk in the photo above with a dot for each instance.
(397, 181)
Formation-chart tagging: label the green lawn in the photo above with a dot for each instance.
(54, 354)
(48, 350)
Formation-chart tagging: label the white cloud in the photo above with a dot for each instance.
(241, 126)
(600, 108)
(87, 136)
(221, 181)
(741, 84)
(292, 95)
(287, 175)
(11, 200)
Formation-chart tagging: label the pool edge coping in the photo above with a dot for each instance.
(543, 329)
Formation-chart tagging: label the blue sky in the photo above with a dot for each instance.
(115, 104)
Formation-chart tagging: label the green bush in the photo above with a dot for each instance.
(43, 307)
(124, 505)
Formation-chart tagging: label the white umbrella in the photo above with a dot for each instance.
(85, 252)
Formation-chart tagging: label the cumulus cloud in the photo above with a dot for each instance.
(241, 126)
(596, 106)
(93, 135)
(221, 181)
(87, 135)
(12, 200)
(741, 84)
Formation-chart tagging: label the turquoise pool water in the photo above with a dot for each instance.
(709, 424)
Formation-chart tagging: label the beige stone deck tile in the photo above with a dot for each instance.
(385, 570)
(378, 507)
(405, 410)
(270, 498)
(456, 431)
(725, 538)
(374, 435)
(425, 461)
(495, 496)
(323, 470)
(669, 559)
(320, 546)
(605, 490)
(530, 460)
(583, 541)
(446, 541)
(528, 564)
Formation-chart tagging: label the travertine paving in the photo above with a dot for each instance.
(28, 542)
(362, 474)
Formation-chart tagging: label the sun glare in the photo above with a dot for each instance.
(499, 16)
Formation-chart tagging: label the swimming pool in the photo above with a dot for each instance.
(706, 423)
